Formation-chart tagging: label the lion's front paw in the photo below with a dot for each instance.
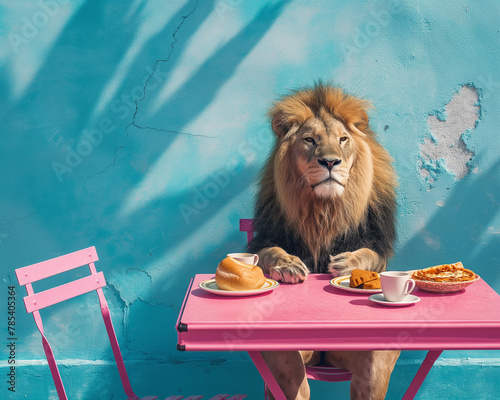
(343, 263)
(289, 269)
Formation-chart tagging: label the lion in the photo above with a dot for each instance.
(326, 203)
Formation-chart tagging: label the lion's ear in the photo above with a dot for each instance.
(362, 121)
(354, 128)
(359, 123)
(280, 124)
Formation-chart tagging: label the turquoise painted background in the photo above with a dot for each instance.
(139, 127)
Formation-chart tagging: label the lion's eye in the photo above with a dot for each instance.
(309, 140)
(343, 139)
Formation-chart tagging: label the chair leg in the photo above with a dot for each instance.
(56, 376)
(115, 347)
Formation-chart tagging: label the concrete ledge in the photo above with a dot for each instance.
(452, 378)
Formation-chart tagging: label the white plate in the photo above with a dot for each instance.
(342, 282)
(211, 286)
(407, 300)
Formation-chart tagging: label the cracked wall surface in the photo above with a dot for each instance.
(140, 128)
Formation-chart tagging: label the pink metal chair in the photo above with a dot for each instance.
(95, 281)
(320, 372)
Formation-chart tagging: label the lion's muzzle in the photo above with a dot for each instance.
(329, 179)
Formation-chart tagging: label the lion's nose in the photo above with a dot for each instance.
(329, 163)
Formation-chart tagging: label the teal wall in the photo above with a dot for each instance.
(139, 127)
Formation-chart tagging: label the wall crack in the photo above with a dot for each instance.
(169, 131)
(155, 69)
(133, 123)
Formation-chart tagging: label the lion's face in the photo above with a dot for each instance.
(323, 150)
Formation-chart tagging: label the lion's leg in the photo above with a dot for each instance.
(364, 258)
(289, 371)
(282, 266)
(371, 371)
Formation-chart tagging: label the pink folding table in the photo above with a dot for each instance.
(314, 315)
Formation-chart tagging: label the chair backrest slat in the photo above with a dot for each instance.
(45, 269)
(64, 292)
(246, 225)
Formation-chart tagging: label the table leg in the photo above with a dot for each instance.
(267, 375)
(422, 372)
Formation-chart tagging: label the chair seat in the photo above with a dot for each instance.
(327, 373)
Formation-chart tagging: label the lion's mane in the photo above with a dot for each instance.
(314, 228)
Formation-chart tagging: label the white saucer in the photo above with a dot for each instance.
(380, 299)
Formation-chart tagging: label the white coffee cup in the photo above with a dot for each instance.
(247, 258)
(396, 285)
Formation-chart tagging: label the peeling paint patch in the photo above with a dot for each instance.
(132, 285)
(445, 150)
